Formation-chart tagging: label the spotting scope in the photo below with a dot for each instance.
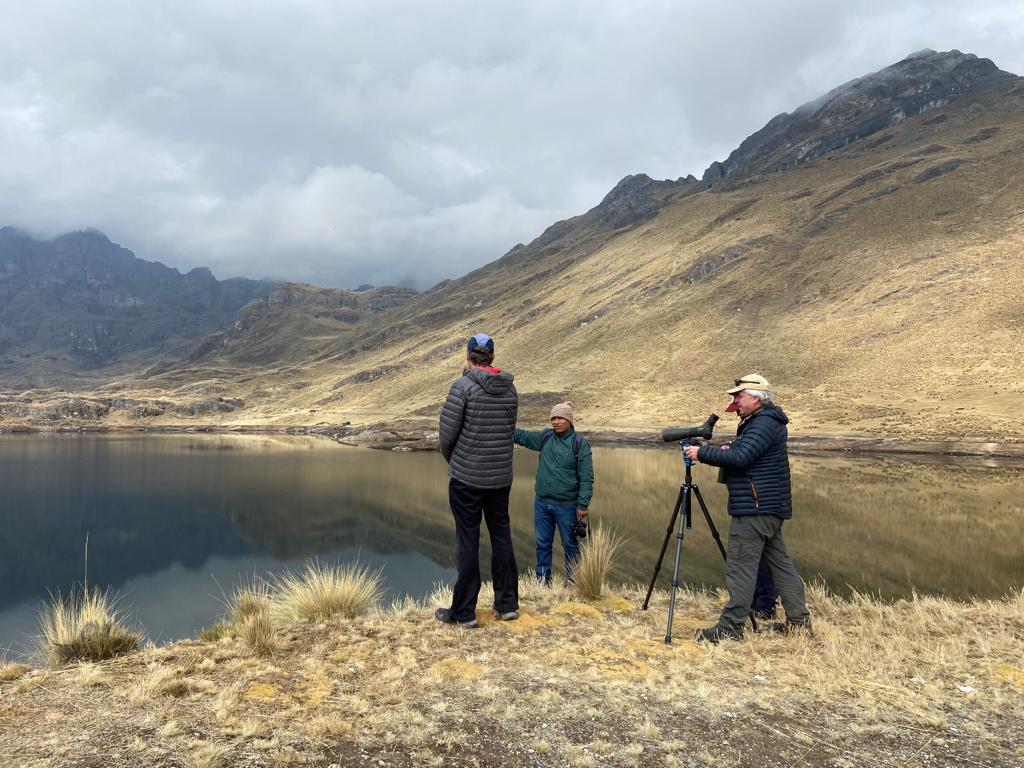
(703, 432)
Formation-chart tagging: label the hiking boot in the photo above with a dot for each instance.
(763, 615)
(445, 615)
(714, 634)
(506, 616)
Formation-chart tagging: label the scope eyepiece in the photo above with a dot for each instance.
(672, 434)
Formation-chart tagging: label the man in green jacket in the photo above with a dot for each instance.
(565, 483)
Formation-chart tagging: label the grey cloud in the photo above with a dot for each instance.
(343, 143)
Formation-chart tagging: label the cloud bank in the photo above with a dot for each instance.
(342, 143)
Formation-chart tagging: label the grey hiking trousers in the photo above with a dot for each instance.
(749, 537)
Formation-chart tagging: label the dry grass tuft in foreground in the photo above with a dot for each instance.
(320, 591)
(250, 598)
(13, 670)
(597, 556)
(257, 632)
(84, 627)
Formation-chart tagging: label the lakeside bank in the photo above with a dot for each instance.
(925, 681)
(417, 436)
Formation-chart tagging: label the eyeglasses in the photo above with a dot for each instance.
(737, 382)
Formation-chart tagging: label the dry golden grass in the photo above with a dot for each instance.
(322, 591)
(911, 682)
(13, 670)
(250, 598)
(257, 632)
(597, 557)
(84, 626)
(217, 630)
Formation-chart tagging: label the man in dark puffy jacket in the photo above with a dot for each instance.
(565, 483)
(477, 424)
(757, 475)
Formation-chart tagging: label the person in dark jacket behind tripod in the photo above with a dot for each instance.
(757, 475)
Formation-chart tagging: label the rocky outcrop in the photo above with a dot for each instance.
(922, 82)
(638, 197)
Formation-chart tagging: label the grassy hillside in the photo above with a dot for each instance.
(878, 286)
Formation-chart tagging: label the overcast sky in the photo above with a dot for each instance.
(348, 142)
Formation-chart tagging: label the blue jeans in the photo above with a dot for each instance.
(545, 518)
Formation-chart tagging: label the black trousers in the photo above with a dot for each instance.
(468, 506)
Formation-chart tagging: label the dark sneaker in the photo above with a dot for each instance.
(714, 634)
(506, 616)
(445, 615)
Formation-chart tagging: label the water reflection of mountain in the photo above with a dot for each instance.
(877, 525)
(149, 502)
(58, 491)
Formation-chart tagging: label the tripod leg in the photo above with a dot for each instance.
(685, 492)
(664, 546)
(711, 523)
(718, 539)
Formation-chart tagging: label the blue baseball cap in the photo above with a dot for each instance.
(480, 340)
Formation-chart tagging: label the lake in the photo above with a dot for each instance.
(174, 521)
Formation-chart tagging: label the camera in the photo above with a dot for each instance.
(579, 528)
(703, 432)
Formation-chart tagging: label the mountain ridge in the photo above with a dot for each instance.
(79, 307)
(827, 272)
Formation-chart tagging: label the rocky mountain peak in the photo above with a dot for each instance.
(81, 302)
(923, 81)
(637, 197)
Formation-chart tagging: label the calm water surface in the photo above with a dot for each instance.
(174, 522)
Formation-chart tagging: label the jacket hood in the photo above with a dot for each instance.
(492, 383)
(774, 412)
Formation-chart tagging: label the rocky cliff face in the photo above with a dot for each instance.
(80, 303)
(921, 82)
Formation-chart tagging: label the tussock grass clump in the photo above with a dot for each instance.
(597, 555)
(84, 627)
(320, 591)
(257, 632)
(13, 670)
(251, 598)
(216, 631)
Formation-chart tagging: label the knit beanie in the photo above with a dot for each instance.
(564, 410)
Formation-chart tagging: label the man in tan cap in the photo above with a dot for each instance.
(757, 475)
(565, 483)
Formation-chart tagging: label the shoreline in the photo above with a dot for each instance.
(403, 436)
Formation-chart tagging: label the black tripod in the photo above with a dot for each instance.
(684, 504)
